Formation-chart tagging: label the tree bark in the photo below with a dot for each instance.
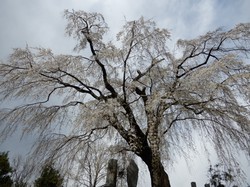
(146, 146)
(164, 178)
(159, 178)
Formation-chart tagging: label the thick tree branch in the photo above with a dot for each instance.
(141, 74)
(79, 89)
(125, 63)
(108, 86)
(89, 88)
(202, 52)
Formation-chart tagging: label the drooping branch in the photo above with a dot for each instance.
(86, 137)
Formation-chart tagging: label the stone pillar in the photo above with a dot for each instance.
(221, 185)
(193, 184)
(111, 173)
(132, 174)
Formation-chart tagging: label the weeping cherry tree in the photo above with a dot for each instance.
(132, 92)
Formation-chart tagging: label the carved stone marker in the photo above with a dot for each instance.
(111, 173)
(132, 174)
(221, 185)
(193, 184)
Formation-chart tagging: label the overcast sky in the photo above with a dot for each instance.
(41, 23)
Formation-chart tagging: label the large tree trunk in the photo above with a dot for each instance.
(159, 178)
(146, 146)
(164, 178)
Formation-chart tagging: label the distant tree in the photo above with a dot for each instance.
(133, 92)
(21, 184)
(221, 177)
(91, 170)
(50, 177)
(5, 170)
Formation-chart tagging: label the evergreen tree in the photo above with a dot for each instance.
(50, 177)
(5, 170)
(221, 176)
